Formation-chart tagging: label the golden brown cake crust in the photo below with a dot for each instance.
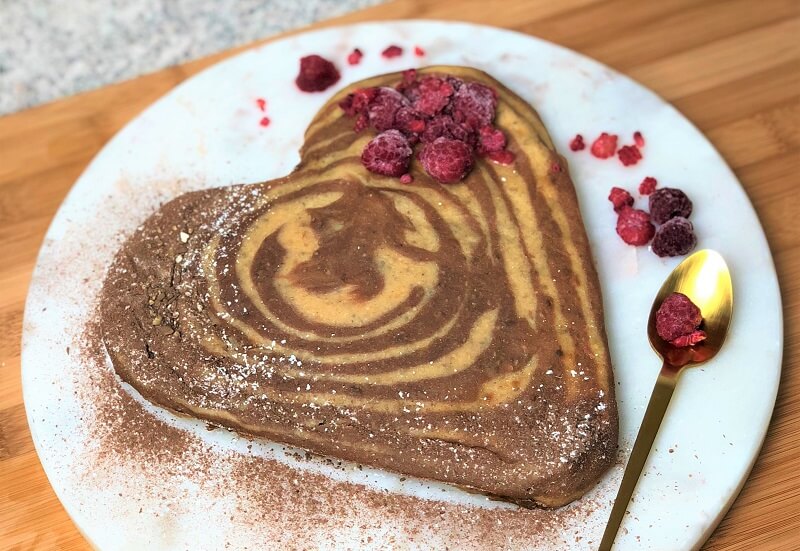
(447, 332)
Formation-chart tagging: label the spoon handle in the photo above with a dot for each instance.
(659, 400)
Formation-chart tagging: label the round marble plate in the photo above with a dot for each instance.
(133, 476)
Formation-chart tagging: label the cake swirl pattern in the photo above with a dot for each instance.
(452, 332)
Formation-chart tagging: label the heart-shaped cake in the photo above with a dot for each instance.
(446, 331)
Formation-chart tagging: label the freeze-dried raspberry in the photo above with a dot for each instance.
(677, 316)
(408, 121)
(387, 153)
(354, 58)
(419, 52)
(362, 122)
(604, 146)
(620, 198)
(262, 104)
(675, 237)
(316, 74)
(432, 94)
(446, 160)
(648, 185)
(444, 126)
(358, 101)
(629, 155)
(577, 143)
(634, 227)
(383, 108)
(491, 140)
(392, 51)
(474, 105)
(667, 202)
(504, 157)
(689, 340)
(638, 139)
(265, 121)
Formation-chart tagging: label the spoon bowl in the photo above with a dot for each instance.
(704, 278)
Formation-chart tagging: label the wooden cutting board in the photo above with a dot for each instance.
(732, 67)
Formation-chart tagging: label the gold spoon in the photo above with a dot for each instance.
(705, 279)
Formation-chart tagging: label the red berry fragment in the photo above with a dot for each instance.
(264, 121)
(445, 126)
(388, 154)
(432, 94)
(474, 105)
(648, 185)
(604, 146)
(409, 121)
(679, 318)
(384, 107)
(419, 52)
(446, 160)
(674, 238)
(504, 157)
(667, 202)
(577, 143)
(634, 227)
(316, 74)
(358, 101)
(262, 104)
(629, 155)
(620, 198)
(354, 58)
(406, 178)
(638, 139)
(392, 51)
(491, 140)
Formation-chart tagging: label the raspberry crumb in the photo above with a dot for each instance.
(446, 160)
(354, 58)
(316, 74)
(504, 157)
(638, 139)
(675, 237)
(678, 320)
(667, 202)
(648, 185)
(392, 51)
(555, 166)
(388, 154)
(604, 146)
(577, 143)
(620, 198)
(419, 52)
(634, 226)
(264, 121)
(629, 155)
(262, 104)
(491, 139)
(406, 178)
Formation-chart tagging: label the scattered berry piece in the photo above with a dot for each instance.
(678, 319)
(406, 178)
(408, 121)
(388, 154)
(604, 146)
(262, 104)
(648, 185)
(354, 58)
(264, 121)
(504, 157)
(392, 51)
(316, 74)
(555, 166)
(629, 155)
(620, 198)
(474, 105)
(446, 160)
(491, 140)
(384, 107)
(675, 237)
(432, 94)
(577, 143)
(419, 52)
(638, 139)
(634, 227)
(362, 122)
(666, 203)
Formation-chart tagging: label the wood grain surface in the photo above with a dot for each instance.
(733, 67)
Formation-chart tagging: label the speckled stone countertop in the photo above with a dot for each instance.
(54, 48)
